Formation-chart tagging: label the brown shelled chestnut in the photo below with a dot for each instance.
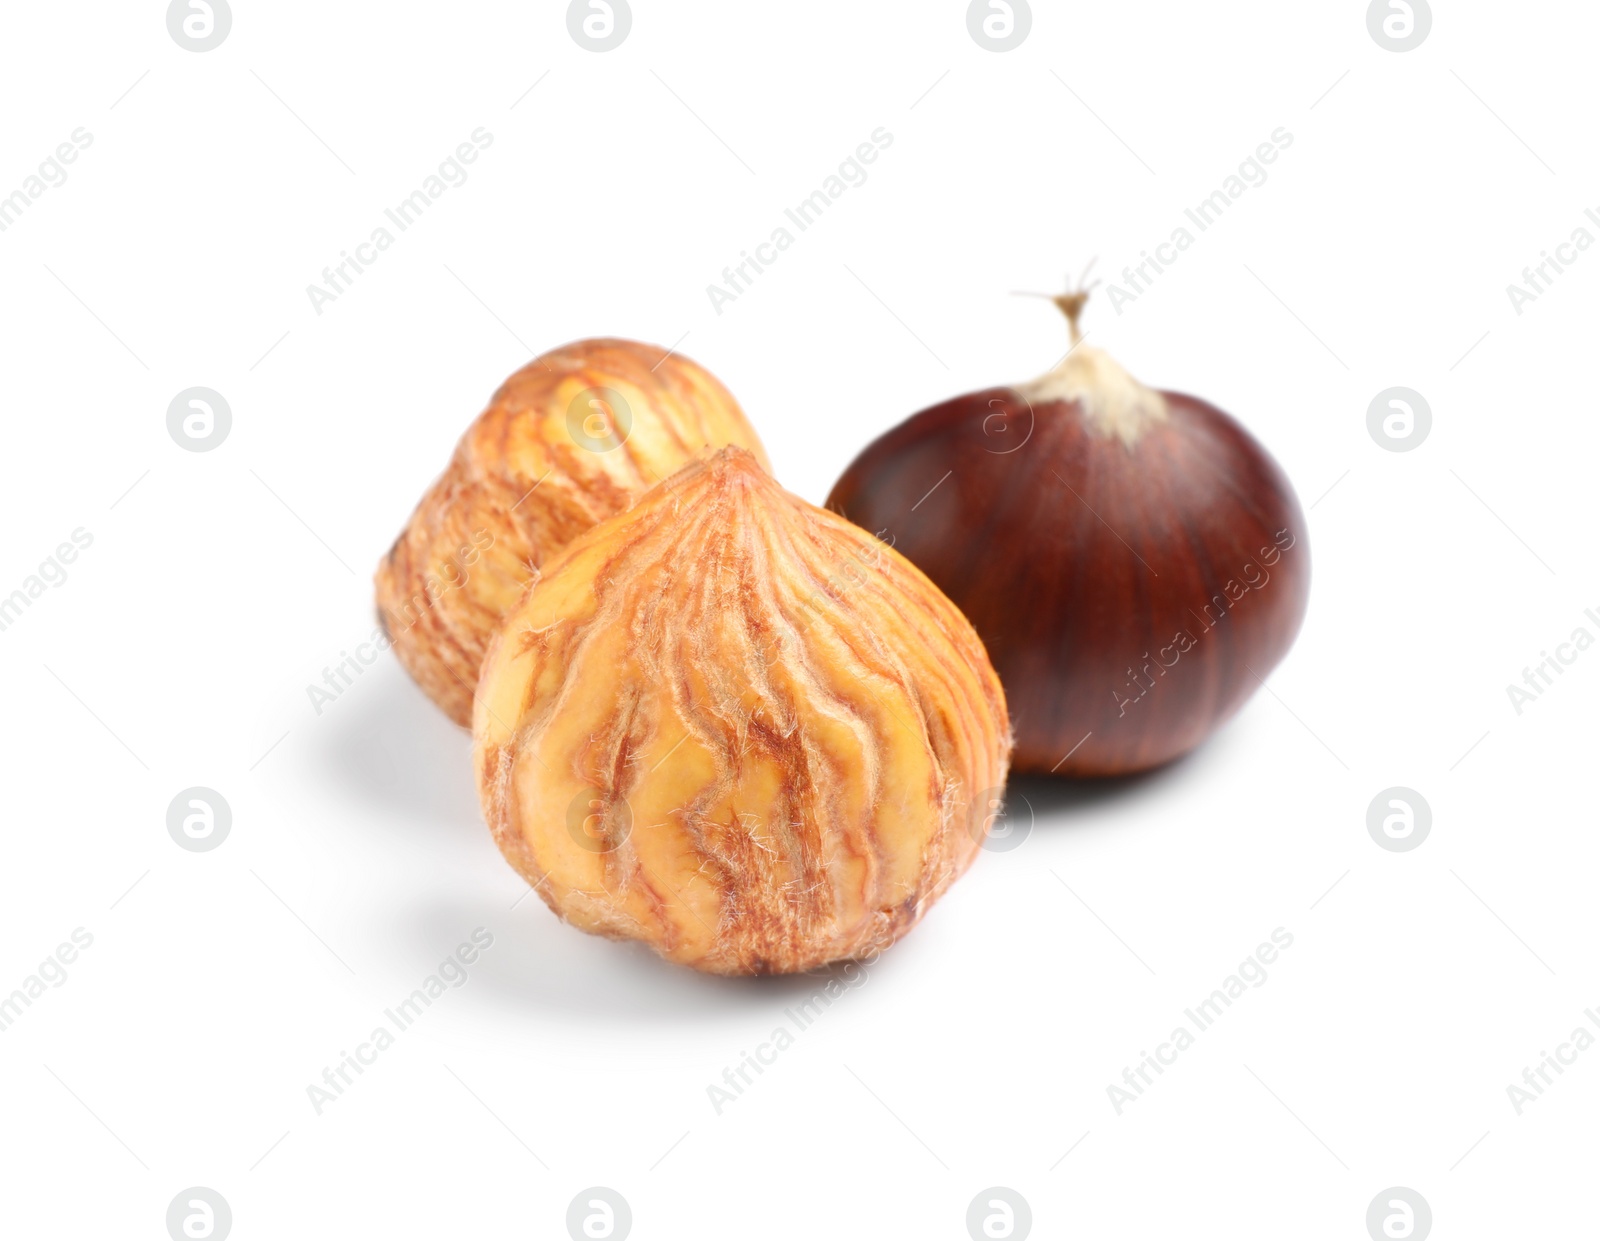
(1134, 560)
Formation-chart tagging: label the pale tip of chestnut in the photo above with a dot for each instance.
(1114, 403)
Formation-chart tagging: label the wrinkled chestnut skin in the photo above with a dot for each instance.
(548, 459)
(739, 729)
(1130, 597)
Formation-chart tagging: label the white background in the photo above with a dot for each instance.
(978, 1051)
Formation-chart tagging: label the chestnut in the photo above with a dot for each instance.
(1134, 561)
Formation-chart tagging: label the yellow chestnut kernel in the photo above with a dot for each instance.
(738, 728)
(573, 437)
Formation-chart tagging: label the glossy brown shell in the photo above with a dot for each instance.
(1131, 597)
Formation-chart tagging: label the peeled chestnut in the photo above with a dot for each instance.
(1133, 560)
(737, 728)
(573, 437)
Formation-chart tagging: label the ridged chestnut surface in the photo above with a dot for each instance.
(1134, 560)
(570, 439)
(737, 727)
